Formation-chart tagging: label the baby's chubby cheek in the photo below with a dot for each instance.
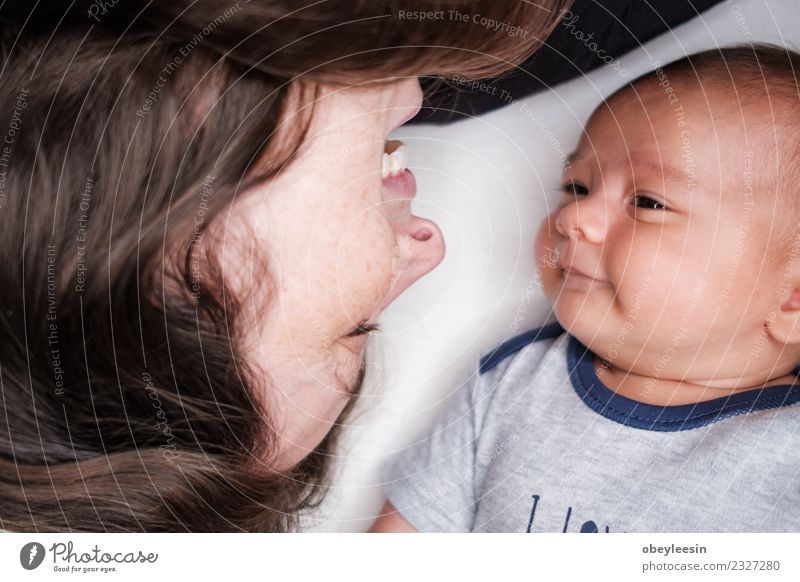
(546, 256)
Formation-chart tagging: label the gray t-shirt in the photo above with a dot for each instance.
(535, 442)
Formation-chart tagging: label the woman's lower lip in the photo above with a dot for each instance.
(403, 185)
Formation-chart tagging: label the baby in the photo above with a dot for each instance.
(662, 399)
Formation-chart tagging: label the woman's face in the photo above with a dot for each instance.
(341, 244)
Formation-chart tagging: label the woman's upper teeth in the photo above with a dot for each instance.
(394, 162)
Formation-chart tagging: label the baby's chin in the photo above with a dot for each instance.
(571, 324)
(580, 324)
(574, 312)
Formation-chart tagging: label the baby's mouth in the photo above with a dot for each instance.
(568, 270)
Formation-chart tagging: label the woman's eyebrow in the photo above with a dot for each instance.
(572, 158)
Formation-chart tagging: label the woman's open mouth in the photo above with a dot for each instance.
(396, 177)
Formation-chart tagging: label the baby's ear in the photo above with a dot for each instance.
(785, 328)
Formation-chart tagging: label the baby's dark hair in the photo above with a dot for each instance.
(752, 69)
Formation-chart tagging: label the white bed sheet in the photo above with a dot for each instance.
(488, 182)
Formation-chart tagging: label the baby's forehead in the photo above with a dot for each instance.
(640, 133)
(681, 102)
(684, 116)
(748, 90)
(674, 109)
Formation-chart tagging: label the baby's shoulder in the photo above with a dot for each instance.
(527, 349)
(516, 371)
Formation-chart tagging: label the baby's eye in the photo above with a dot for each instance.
(575, 188)
(648, 203)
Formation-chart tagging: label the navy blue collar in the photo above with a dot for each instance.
(606, 402)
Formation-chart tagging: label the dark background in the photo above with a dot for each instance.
(619, 26)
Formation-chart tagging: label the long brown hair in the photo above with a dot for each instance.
(127, 129)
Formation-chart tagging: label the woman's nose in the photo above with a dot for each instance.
(585, 217)
(420, 248)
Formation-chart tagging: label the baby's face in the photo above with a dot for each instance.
(657, 256)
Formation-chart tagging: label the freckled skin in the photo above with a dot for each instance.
(333, 238)
(674, 298)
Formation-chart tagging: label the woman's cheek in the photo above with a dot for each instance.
(364, 267)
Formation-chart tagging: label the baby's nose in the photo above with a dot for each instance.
(585, 217)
